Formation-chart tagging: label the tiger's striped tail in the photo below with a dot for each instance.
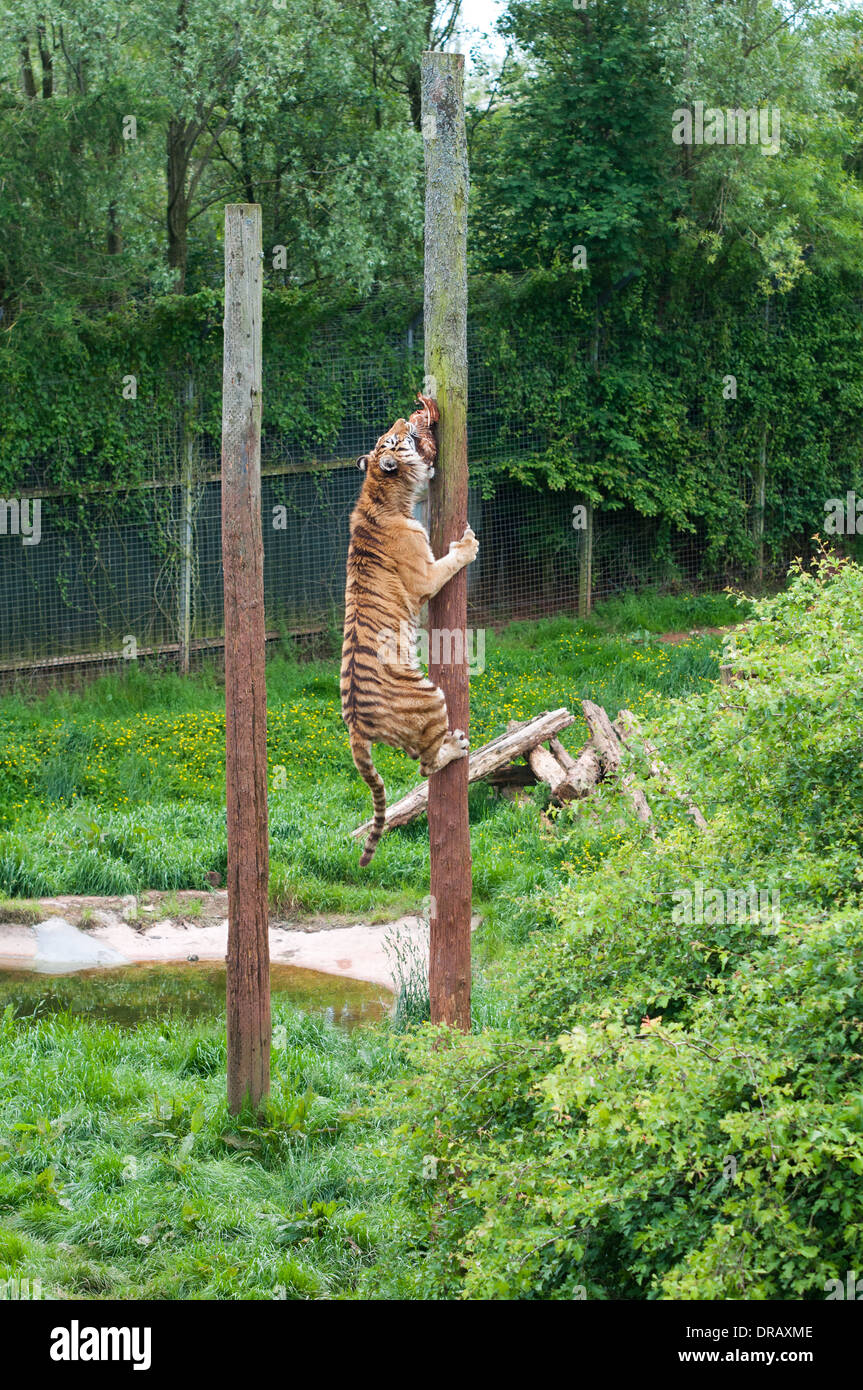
(362, 755)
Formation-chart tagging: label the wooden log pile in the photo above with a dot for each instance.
(531, 752)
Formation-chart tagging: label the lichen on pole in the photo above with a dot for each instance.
(248, 963)
(445, 311)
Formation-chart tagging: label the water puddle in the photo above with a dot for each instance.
(140, 993)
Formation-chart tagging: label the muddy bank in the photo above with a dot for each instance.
(67, 934)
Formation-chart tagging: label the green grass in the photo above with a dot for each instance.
(121, 1173)
(188, 908)
(121, 788)
(20, 910)
(656, 612)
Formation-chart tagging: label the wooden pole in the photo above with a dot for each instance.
(185, 596)
(760, 507)
(585, 563)
(761, 470)
(248, 974)
(446, 379)
(585, 559)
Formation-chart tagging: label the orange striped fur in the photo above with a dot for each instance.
(392, 572)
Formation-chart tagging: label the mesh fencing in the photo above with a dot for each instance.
(136, 571)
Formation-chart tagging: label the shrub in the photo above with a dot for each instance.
(678, 1113)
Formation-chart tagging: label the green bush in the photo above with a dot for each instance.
(678, 1113)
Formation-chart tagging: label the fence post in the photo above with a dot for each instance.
(585, 559)
(445, 311)
(185, 595)
(585, 563)
(760, 506)
(248, 973)
(761, 470)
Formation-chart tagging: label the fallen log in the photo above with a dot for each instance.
(487, 759)
(566, 779)
(563, 755)
(605, 740)
(639, 801)
(547, 769)
(513, 775)
(584, 771)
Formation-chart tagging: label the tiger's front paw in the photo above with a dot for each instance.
(468, 546)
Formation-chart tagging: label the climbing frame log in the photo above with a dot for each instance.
(599, 763)
(481, 765)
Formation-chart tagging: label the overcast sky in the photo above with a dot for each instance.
(477, 24)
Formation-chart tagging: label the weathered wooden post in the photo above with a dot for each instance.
(188, 473)
(760, 500)
(446, 379)
(585, 557)
(248, 975)
(585, 562)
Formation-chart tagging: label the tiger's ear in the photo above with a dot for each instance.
(363, 463)
(388, 464)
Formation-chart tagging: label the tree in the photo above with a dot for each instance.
(124, 126)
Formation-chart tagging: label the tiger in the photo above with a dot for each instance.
(391, 573)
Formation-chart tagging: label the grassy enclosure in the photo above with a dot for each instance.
(639, 311)
(122, 1173)
(107, 774)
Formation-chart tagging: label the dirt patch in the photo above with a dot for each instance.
(137, 930)
(673, 638)
(142, 910)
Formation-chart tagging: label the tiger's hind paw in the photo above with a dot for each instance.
(453, 747)
(461, 738)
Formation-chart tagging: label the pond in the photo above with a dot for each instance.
(139, 993)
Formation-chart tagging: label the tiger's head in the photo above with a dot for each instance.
(400, 464)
